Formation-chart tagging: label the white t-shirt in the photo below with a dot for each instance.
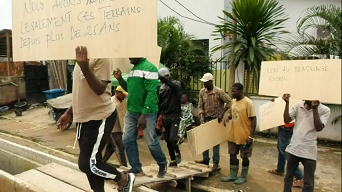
(304, 140)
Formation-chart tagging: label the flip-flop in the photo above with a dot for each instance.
(275, 172)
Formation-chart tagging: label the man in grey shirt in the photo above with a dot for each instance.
(311, 117)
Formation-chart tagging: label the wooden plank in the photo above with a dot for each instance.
(46, 182)
(69, 175)
(144, 189)
(271, 114)
(206, 136)
(41, 28)
(296, 77)
(188, 184)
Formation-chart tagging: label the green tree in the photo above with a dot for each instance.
(259, 24)
(326, 18)
(180, 53)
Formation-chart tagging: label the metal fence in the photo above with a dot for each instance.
(220, 72)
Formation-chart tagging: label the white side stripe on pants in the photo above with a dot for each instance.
(93, 167)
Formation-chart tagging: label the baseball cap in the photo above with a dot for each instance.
(120, 89)
(207, 77)
(164, 71)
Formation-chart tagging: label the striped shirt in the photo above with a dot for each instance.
(212, 103)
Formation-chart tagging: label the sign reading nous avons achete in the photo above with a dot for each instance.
(52, 29)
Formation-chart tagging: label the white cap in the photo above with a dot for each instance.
(207, 77)
(164, 71)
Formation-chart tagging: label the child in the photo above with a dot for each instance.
(115, 139)
(187, 118)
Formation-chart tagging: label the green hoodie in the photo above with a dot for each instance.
(142, 86)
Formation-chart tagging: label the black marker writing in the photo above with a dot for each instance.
(277, 78)
(33, 6)
(27, 42)
(45, 23)
(106, 28)
(109, 12)
(311, 69)
(60, 4)
(75, 33)
(85, 16)
(53, 37)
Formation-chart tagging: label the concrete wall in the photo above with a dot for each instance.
(10, 183)
(330, 132)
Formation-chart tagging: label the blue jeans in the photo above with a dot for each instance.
(216, 155)
(130, 140)
(284, 138)
(216, 150)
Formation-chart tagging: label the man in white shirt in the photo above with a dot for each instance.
(311, 118)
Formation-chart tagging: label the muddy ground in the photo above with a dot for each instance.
(36, 129)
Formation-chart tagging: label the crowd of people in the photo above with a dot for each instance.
(98, 126)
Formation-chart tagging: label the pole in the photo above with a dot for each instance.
(232, 68)
(8, 43)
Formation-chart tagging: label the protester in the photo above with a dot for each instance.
(241, 135)
(95, 120)
(115, 140)
(142, 109)
(311, 118)
(187, 118)
(170, 109)
(211, 106)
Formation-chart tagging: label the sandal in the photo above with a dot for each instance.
(275, 172)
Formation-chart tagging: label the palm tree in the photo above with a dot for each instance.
(326, 18)
(259, 24)
(180, 53)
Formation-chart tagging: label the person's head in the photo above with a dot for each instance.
(207, 80)
(237, 91)
(120, 93)
(308, 104)
(185, 98)
(165, 73)
(135, 61)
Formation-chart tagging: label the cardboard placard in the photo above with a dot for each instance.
(271, 114)
(122, 109)
(303, 79)
(207, 135)
(51, 30)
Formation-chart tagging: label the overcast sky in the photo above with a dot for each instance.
(5, 14)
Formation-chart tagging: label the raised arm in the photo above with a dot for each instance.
(98, 78)
(287, 118)
(117, 74)
(319, 120)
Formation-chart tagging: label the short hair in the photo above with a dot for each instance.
(238, 86)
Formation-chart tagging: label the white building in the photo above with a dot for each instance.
(209, 10)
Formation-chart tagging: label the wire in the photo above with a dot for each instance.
(185, 16)
(194, 14)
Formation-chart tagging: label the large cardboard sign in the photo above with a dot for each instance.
(122, 109)
(51, 30)
(271, 114)
(303, 79)
(207, 135)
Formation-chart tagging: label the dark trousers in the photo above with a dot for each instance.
(115, 142)
(171, 126)
(92, 138)
(216, 149)
(309, 173)
(284, 138)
